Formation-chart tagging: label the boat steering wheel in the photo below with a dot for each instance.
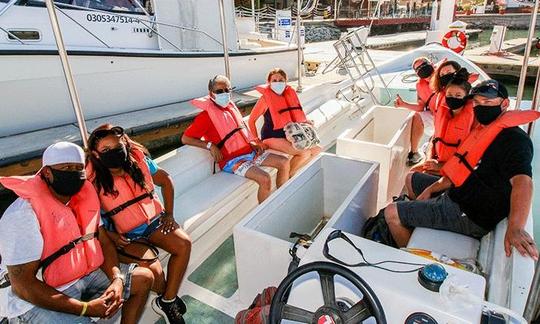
(330, 312)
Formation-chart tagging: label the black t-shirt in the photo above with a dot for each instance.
(485, 195)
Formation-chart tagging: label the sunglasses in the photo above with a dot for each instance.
(421, 66)
(489, 88)
(101, 133)
(220, 91)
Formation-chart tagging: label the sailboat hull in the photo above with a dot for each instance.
(34, 92)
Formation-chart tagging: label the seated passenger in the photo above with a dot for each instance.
(487, 179)
(220, 129)
(280, 105)
(125, 179)
(454, 119)
(52, 229)
(424, 107)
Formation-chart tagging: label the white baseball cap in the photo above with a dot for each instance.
(63, 152)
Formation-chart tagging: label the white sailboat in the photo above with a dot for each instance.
(125, 57)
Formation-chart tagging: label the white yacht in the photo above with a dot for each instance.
(126, 56)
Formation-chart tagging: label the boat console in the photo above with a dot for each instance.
(395, 283)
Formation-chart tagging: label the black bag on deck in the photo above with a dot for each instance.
(376, 229)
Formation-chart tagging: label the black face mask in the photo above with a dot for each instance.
(425, 71)
(67, 183)
(445, 79)
(115, 158)
(487, 114)
(455, 103)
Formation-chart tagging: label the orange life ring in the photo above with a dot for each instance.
(462, 38)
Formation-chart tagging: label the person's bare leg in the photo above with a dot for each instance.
(264, 181)
(282, 165)
(298, 157)
(417, 131)
(178, 244)
(400, 233)
(141, 282)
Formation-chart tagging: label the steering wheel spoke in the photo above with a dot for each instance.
(358, 313)
(294, 313)
(328, 288)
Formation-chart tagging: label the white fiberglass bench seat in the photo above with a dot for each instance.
(399, 293)
(509, 278)
(383, 135)
(330, 191)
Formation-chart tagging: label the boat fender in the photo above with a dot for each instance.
(460, 36)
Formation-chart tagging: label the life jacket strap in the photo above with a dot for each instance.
(128, 203)
(284, 110)
(462, 159)
(65, 249)
(426, 105)
(438, 139)
(228, 136)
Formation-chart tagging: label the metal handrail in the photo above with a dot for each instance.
(528, 46)
(7, 6)
(532, 308)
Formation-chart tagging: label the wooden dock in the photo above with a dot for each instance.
(507, 64)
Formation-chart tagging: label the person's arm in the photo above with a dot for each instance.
(520, 204)
(442, 184)
(163, 179)
(400, 103)
(111, 268)
(214, 150)
(27, 287)
(258, 110)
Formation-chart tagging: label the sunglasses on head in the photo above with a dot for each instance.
(220, 91)
(101, 133)
(421, 66)
(490, 88)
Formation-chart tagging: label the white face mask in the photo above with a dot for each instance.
(277, 87)
(222, 99)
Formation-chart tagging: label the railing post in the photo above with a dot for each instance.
(74, 95)
(523, 74)
(299, 44)
(224, 39)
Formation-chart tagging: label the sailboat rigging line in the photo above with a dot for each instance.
(84, 28)
(12, 35)
(141, 20)
(7, 6)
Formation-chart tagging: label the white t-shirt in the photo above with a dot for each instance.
(20, 242)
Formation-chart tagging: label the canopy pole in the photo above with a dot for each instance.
(535, 101)
(74, 95)
(523, 75)
(532, 308)
(224, 39)
(253, 15)
(299, 44)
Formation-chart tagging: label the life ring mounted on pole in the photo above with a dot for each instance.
(461, 38)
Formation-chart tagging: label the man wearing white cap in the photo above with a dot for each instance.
(56, 265)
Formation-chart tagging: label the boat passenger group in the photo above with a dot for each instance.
(79, 242)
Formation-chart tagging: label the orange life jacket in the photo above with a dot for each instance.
(229, 124)
(460, 166)
(425, 93)
(451, 130)
(284, 108)
(133, 206)
(71, 249)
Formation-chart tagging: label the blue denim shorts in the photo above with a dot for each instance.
(87, 288)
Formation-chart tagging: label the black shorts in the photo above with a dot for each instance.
(438, 213)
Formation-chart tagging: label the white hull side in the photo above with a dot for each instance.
(34, 94)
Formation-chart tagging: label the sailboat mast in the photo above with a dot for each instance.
(224, 39)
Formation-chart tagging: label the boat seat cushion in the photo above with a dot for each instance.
(453, 245)
(194, 206)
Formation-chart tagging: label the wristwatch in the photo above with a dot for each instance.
(121, 277)
(208, 145)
